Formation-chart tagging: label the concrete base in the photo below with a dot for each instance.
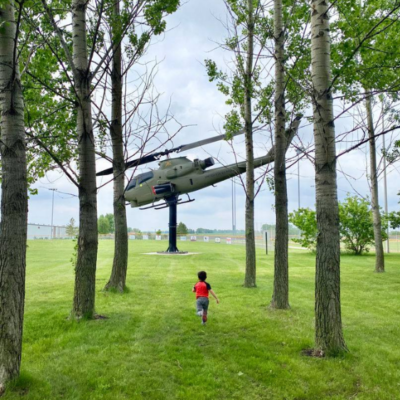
(164, 253)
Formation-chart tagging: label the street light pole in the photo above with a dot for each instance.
(233, 206)
(299, 151)
(52, 214)
(298, 182)
(384, 177)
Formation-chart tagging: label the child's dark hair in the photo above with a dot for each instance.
(202, 275)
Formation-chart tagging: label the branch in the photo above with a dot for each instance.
(61, 37)
(53, 156)
(367, 140)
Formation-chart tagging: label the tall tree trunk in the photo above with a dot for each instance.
(328, 321)
(14, 201)
(379, 258)
(85, 271)
(120, 264)
(280, 297)
(250, 276)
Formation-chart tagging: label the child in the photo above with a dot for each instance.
(201, 288)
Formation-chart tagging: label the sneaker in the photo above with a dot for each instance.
(200, 313)
(204, 317)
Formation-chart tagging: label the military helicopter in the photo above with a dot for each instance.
(178, 176)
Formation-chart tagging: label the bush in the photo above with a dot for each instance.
(355, 225)
(305, 220)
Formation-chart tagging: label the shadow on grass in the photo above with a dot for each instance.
(114, 290)
(22, 385)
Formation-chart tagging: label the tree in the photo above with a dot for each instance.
(250, 276)
(84, 71)
(120, 263)
(243, 86)
(328, 320)
(158, 233)
(110, 218)
(14, 196)
(85, 270)
(379, 255)
(357, 225)
(305, 219)
(280, 296)
(70, 229)
(104, 225)
(250, 94)
(182, 229)
(79, 64)
(364, 31)
(148, 14)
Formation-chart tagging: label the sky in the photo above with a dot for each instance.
(194, 32)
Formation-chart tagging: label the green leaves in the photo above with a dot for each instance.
(181, 229)
(366, 39)
(103, 224)
(155, 11)
(305, 219)
(233, 123)
(356, 225)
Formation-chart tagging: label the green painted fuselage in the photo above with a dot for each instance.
(182, 176)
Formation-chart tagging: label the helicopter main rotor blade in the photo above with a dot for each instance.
(107, 171)
(200, 143)
(156, 156)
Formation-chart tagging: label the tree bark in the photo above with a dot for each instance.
(250, 275)
(328, 323)
(280, 297)
(120, 263)
(14, 201)
(379, 257)
(85, 270)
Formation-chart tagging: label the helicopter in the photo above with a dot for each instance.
(181, 176)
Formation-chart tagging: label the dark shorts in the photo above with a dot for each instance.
(202, 304)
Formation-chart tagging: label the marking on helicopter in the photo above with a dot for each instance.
(168, 163)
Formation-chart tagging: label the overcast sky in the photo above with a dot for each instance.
(193, 33)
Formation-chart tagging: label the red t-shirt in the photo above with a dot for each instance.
(202, 289)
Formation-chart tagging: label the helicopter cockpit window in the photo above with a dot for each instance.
(144, 177)
(131, 184)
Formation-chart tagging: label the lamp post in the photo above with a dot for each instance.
(233, 207)
(52, 215)
(384, 177)
(299, 151)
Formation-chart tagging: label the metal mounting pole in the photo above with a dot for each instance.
(172, 203)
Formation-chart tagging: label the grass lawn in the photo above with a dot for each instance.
(153, 346)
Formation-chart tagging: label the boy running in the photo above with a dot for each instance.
(201, 288)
